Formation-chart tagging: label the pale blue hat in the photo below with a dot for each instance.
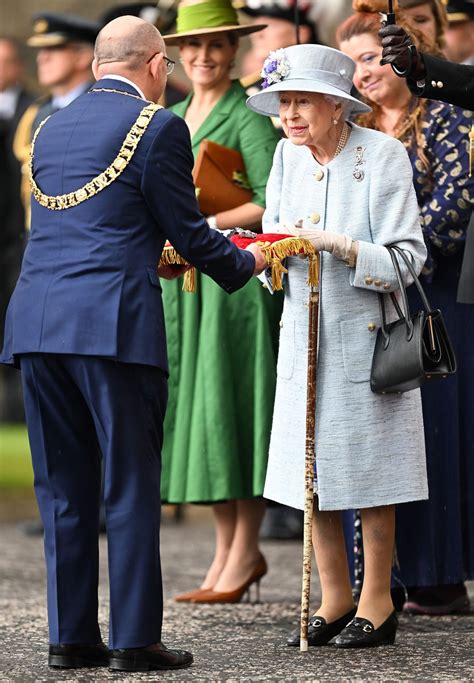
(308, 68)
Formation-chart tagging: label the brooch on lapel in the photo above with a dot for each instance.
(358, 171)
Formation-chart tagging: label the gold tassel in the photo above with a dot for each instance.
(189, 280)
(471, 149)
(277, 271)
(276, 252)
(170, 257)
(292, 246)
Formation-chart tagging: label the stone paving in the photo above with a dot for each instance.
(243, 642)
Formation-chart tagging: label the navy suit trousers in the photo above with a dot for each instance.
(82, 413)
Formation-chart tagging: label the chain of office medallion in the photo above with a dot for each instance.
(104, 179)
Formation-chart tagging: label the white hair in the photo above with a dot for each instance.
(346, 105)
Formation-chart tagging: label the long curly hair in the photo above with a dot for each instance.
(366, 20)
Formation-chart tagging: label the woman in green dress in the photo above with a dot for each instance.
(222, 350)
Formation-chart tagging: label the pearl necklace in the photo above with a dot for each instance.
(342, 140)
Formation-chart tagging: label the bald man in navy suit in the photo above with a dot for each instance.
(111, 179)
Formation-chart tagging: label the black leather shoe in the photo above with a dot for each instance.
(361, 633)
(320, 632)
(77, 656)
(149, 658)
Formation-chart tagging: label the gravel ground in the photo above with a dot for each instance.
(243, 642)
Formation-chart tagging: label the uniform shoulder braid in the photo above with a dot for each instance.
(104, 179)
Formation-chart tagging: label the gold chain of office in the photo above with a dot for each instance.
(104, 179)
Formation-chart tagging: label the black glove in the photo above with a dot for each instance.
(400, 53)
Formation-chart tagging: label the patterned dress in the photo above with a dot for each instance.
(435, 538)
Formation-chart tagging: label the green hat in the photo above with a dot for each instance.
(198, 17)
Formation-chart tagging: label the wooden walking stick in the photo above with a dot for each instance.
(310, 458)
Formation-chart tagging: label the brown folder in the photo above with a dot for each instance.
(220, 178)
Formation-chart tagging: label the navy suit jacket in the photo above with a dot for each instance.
(89, 283)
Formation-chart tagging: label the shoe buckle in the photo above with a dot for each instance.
(368, 628)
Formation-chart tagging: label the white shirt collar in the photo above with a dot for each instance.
(61, 101)
(125, 80)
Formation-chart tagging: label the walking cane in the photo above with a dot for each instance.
(276, 247)
(310, 458)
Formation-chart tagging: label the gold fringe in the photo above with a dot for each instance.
(170, 257)
(189, 281)
(274, 254)
(292, 246)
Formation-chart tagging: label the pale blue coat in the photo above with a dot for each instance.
(369, 448)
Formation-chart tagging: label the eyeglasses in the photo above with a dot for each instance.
(169, 62)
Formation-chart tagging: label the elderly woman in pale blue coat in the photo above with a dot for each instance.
(350, 191)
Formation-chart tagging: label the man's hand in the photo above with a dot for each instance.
(400, 53)
(172, 272)
(260, 261)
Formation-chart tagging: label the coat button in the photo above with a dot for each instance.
(368, 280)
(386, 285)
(281, 323)
(440, 84)
(378, 283)
(371, 327)
(433, 84)
(319, 175)
(315, 218)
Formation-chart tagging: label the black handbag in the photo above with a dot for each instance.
(413, 349)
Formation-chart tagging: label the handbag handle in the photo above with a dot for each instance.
(402, 314)
(394, 251)
(416, 282)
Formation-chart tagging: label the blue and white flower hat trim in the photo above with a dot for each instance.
(275, 68)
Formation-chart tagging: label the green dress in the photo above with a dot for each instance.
(222, 349)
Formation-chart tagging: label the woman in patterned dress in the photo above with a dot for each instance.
(435, 538)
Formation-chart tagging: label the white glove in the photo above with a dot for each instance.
(342, 247)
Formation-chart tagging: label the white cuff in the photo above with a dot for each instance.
(212, 222)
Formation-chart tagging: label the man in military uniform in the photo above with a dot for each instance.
(459, 35)
(65, 51)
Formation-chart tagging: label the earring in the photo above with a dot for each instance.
(335, 121)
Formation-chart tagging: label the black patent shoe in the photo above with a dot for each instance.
(78, 656)
(361, 633)
(320, 632)
(155, 657)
